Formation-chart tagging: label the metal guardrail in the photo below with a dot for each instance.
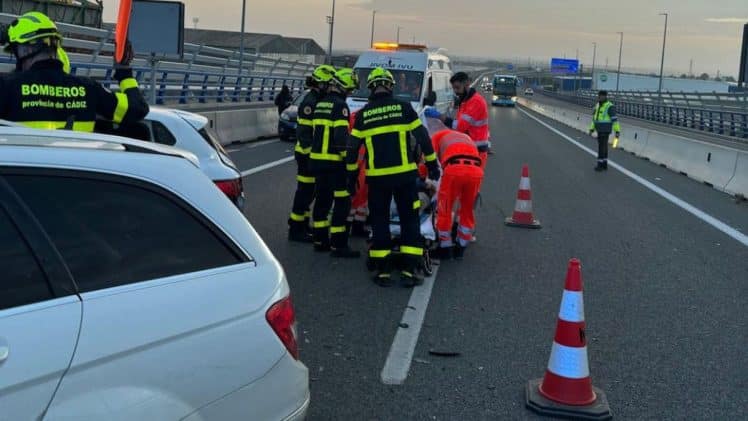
(204, 74)
(722, 114)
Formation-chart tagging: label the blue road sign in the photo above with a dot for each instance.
(562, 65)
(509, 66)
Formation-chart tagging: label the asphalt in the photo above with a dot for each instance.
(665, 293)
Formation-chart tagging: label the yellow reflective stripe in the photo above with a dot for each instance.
(78, 126)
(394, 128)
(326, 157)
(415, 251)
(304, 122)
(391, 170)
(329, 123)
(416, 204)
(296, 217)
(352, 167)
(431, 157)
(370, 150)
(122, 105)
(305, 179)
(128, 83)
(341, 193)
(303, 151)
(337, 230)
(321, 224)
(379, 254)
(403, 149)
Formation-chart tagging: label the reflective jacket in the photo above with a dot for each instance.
(387, 127)
(304, 126)
(330, 123)
(472, 119)
(604, 118)
(453, 147)
(45, 97)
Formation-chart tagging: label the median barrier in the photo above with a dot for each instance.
(243, 125)
(738, 185)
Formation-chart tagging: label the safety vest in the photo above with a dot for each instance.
(451, 144)
(604, 119)
(472, 119)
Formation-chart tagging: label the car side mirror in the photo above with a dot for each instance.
(430, 99)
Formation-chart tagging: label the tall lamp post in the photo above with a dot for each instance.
(331, 21)
(620, 54)
(398, 33)
(373, 16)
(662, 61)
(594, 56)
(241, 38)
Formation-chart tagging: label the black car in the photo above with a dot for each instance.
(287, 119)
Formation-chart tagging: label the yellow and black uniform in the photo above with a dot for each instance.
(299, 220)
(45, 97)
(327, 163)
(387, 128)
(604, 121)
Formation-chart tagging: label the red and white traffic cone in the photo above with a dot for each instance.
(522, 216)
(566, 390)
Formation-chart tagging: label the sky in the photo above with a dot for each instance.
(707, 32)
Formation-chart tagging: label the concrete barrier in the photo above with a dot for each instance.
(724, 168)
(243, 125)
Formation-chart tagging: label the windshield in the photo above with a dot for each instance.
(505, 85)
(408, 84)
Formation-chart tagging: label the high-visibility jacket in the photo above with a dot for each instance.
(304, 126)
(452, 146)
(330, 123)
(384, 126)
(604, 118)
(472, 119)
(45, 97)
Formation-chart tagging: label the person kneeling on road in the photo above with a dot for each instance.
(41, 94)
(384, 126)
(463, 175)
(329, 168)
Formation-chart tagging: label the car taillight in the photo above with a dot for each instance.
(282, 319)
(231, 188)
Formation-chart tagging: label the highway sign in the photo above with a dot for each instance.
(562, 65)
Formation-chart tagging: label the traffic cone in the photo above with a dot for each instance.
(522, 216)
(566, 390)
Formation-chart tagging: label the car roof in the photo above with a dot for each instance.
(196, 120)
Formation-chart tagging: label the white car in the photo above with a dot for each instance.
(132, 290)
(191, 132)
(529, 92)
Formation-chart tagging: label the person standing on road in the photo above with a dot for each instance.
(41, 94)
(472, 114)
(284, 99)
(298, 222)
(331, 120)
(463, 175)
(604, 121)
(385, 126)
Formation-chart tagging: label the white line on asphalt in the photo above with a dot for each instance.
(262, 143)
(398, 362)
(716, 223)
(269, 165)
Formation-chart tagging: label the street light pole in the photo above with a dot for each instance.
(620, 54)
(662, 61)
(594, 55)
(373, 16)
(331, 21)
(398, 33)
(241, 38)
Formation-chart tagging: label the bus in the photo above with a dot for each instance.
(421, 76)
(504, 90)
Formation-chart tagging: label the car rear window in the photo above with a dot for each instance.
(113, 233)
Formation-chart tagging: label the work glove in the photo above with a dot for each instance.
(352, 183)
(618, 134)
(434, 171)
(126, 57)
(432, 112)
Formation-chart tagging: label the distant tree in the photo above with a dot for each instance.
(684, 76)
(704, 76)
(730, 79)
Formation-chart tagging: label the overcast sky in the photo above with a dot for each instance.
(709, 32)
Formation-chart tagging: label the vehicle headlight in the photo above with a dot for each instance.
(285, 116)
(495, 97)
(514, 99)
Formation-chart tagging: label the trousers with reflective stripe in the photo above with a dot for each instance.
(460, 183)
(331, 193)
(304, 194)
(380, 197)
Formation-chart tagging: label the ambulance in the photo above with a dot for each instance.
(421, 76)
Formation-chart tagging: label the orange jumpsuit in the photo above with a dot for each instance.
(461, 179)
(360, 201)
(472, 119)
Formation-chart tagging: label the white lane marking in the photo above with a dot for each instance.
(269, 165)
(241, 147)
(714, 222)
(398, 362)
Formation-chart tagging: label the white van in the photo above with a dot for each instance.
(418, 73)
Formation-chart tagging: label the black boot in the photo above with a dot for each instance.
(458, 252)
(409, 279)
(442, 253)
(345, 253)
(605, 165)
(600, 166)
(321, 247)
(383, 278)
(297, 233)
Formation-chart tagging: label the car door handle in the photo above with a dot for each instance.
(4, 351)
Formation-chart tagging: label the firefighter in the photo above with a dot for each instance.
(387, 127)
(298, 222)
(472, 114)
(327, 162)
(41, 94)
(463, 175)
(604, 121)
